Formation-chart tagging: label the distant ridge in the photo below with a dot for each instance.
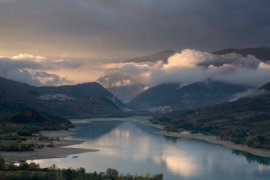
(161, 55)
(266, 87)
(194, 95)
(262, 53)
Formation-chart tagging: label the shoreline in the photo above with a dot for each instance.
(60, 150)
(212, 140)
(62, 146)
(89, 120)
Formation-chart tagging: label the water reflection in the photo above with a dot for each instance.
(171, 139)
(135, 148)
(252, 158)
(93, 130)
(177, 162)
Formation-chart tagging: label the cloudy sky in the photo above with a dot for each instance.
(73, 38)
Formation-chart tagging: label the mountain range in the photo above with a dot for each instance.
(82, 100)
(194, 95)
(245, 121)
(262, 53)
(128, 92)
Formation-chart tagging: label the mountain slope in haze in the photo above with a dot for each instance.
(262, 53)
(83, 100)
(161, 55)
(191, 96)
(126, 93)
(245, 121)
(266, 87)
(159, 95)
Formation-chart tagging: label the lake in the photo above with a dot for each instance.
(135, 148)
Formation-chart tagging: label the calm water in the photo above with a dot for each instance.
(132, 147)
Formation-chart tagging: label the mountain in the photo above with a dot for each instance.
(245, 121)
(126, 93)
(161, 55)
(159, 95)
(82, 100)
(262, 53)
(80, 91)
(265, 87)
(187, 97)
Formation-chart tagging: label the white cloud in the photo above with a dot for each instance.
(190, 66)
(36, 70)
(29, 57)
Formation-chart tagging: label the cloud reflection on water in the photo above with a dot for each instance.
(137, 149)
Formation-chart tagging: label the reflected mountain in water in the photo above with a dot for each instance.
(252, 158)
(95, 130)
(132, 147)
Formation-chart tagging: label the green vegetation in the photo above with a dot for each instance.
(32, 171)
(82, 100)
(40, 122)
(20, 133)
(14, 146)
(245, 121)
(14, 137)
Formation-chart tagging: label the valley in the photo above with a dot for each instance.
(47, 124)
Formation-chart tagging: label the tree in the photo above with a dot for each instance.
(2, 163)
(33, 166)
(112, 173)
(68, 174)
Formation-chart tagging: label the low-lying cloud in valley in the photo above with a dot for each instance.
(128, 79)
(189, 66)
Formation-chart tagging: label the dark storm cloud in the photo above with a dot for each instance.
(121, 28)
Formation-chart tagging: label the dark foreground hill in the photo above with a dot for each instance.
(82, 100)
(187, 97)
(245, 121)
